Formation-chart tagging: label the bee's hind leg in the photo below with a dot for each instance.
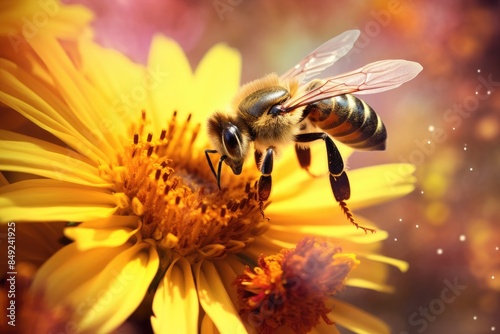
(338, 177)
(341, 190)
(265, 181)
(258, 158)
(339, 181)
(304, 157)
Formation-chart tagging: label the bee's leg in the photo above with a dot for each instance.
(339, 181)
(304, 157)
(258, 157)
(335, 162)
(265, 180)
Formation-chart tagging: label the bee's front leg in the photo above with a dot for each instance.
(265, 180)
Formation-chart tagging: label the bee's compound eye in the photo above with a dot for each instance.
(231, 137)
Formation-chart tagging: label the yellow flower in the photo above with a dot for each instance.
(24, 20)
(154, 227)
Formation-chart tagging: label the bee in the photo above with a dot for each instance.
(274, 111)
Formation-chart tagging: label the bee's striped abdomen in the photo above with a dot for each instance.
(350, 121)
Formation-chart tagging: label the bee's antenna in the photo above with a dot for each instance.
(347, 212)
(207, 152)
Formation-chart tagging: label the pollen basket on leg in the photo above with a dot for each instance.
(171, 189)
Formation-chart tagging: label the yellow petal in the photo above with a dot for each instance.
(72, 21)
(29, 200)
(122, 85)
(356, 320)
(329, 223)
(69, 268)
(217, 79)
(52, 17)
(208, 326)
(30, 155)
(176, 88)
(324, 328)
(287, 168)
(368, 270)
(102, 291)
(369, 284)
(345, 235)
(374, 267)
(401, 265)
(323, 222)
(304, 192)
(215, 300)
(32, 97)
(265, 245)
(228, 270)
(117, 290)
(108, 232)
(378, 184)
(113, 222)
(78, 95)
(175, 305)
(37, 102)
(369, 186)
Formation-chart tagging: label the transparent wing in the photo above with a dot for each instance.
(372, 78)
(323, 57)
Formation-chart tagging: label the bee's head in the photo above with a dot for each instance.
(231, 139)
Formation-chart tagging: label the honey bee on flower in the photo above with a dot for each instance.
(274, 111)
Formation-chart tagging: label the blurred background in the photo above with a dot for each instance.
(446, 122)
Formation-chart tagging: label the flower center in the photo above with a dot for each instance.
(291, 289)
(168, 184)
